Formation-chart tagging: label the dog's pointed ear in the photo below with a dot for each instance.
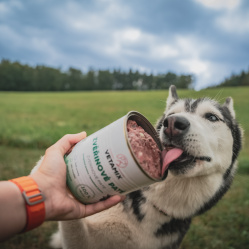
(229, 104)
(172, 96)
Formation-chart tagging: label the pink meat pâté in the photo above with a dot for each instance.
(145, 149)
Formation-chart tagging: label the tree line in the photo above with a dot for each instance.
(241, 79)
(15, 76)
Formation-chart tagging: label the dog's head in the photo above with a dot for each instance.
(199, 136)
(201, 141)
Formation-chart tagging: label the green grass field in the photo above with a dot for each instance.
(30, 122)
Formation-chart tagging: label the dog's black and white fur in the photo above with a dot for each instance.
(158, 216)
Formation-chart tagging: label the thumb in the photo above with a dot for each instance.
(67, 141)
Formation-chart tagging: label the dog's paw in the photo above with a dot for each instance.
(55, 241)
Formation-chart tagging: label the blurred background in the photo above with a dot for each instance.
(206, 40)
(68, 66)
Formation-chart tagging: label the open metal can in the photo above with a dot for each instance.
(103, 164)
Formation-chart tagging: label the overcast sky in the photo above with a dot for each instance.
(207, 38)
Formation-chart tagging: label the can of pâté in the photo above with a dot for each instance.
(103, 164)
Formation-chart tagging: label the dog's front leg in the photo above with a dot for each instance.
(74, 234)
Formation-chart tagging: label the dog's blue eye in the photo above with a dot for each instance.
(211, 117)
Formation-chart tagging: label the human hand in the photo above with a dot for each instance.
(51, 179)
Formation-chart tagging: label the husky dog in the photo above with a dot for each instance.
(158, 216)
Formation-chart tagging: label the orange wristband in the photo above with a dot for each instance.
(34, 200)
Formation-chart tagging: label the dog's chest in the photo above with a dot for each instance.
(152, 228)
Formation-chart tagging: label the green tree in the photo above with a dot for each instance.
(105, 80)
(75, 79)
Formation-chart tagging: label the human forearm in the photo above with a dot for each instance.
(12, 210)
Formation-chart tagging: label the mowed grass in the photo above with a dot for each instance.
(30, 122)
(39, 119)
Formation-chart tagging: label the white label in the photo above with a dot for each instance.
(102, 165)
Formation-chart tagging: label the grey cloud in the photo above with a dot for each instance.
(180, 36)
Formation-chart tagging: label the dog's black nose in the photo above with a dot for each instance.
(175, 126)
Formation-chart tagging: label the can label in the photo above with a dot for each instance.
(102, 165)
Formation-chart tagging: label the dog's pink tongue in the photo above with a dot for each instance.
(170, 156)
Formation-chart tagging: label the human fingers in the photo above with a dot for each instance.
(77, 210)
(103, 205)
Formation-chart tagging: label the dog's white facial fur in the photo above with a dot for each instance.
(204, 138)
